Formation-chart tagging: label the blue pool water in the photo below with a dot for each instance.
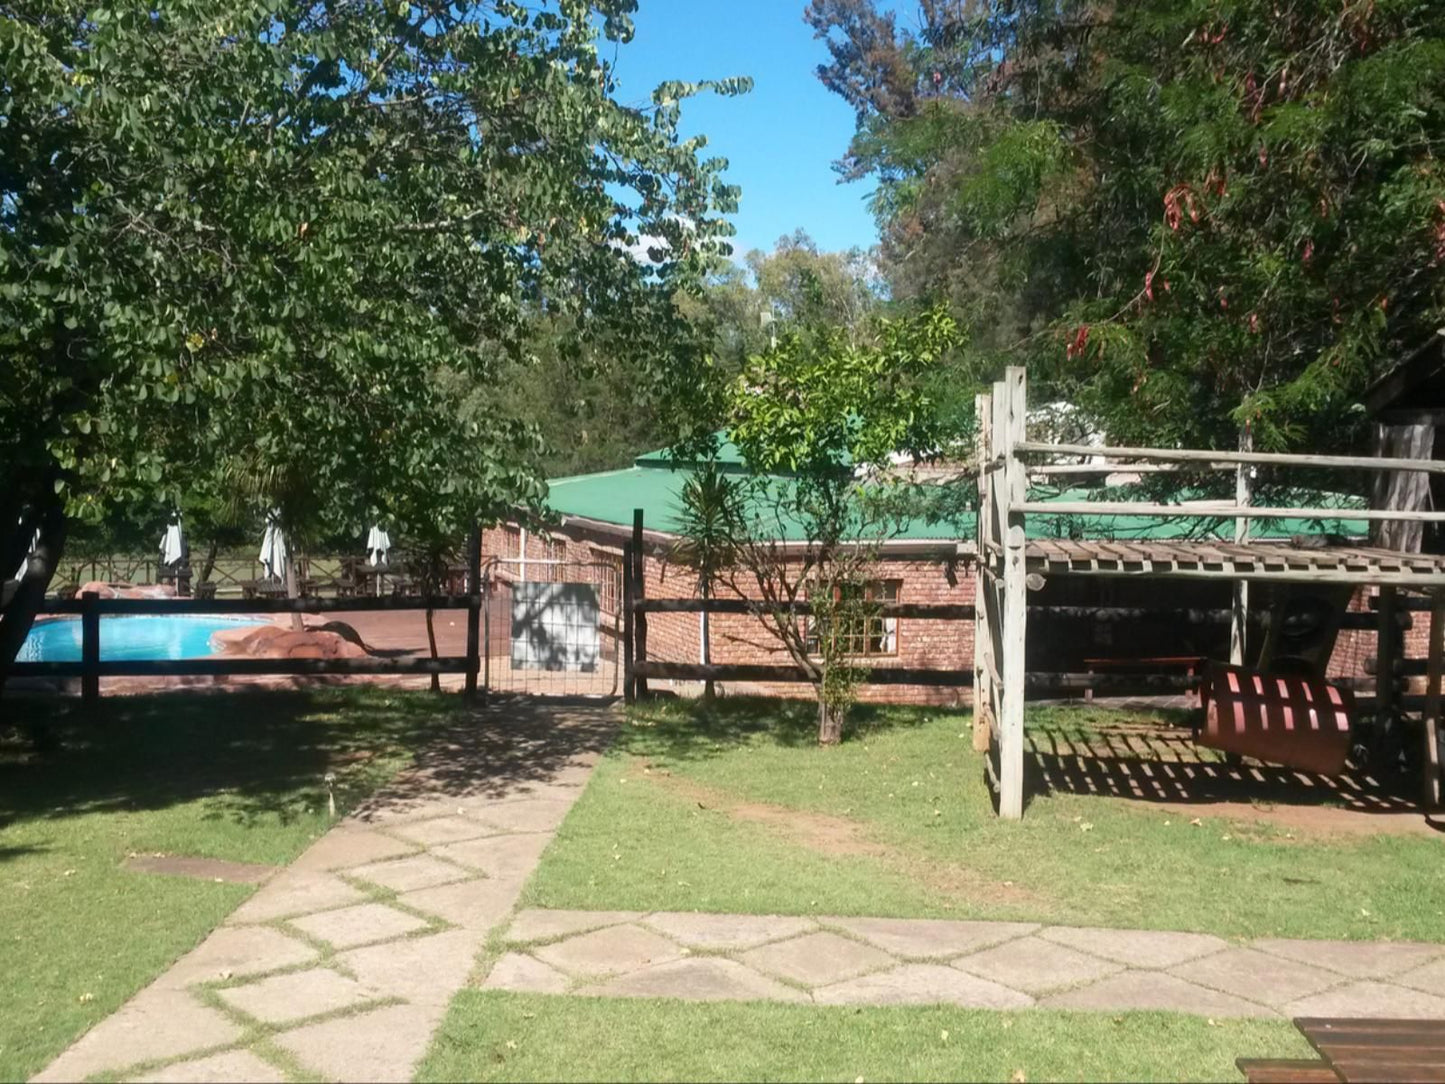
(179, 637)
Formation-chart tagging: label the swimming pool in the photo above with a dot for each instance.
(148, 637)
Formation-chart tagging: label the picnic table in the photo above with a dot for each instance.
(1356, 1051)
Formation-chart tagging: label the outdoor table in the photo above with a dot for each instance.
(1357, 1051)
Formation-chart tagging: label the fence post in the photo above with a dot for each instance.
(89, 647)
(629, 688)
(639, 592)
(474, 608)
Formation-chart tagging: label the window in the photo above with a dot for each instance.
(609, 580)
(867, 637)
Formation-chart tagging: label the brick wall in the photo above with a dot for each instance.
(926, 644)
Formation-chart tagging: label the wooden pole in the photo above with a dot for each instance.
(1011, 723)
(1239, 610)
(474, 608)
(1387, 641)
(1430, 762)
(90, 648)
(629, 677)
(982, 686)
(639, 591)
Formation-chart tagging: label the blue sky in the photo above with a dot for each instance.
(780, 140)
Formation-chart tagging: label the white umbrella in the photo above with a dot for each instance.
(273, 549)
(378, 542)
(173, 545)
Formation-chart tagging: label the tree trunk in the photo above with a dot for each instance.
(19, 615)
(431, 640)
(708, 691)
(209, 565)
(830, 721)
(293, 590)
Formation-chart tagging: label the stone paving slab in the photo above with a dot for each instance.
(1430, 978)
(1136, 948)
(698, 978)
(412, 872)
(817, 959)
(359, 925)
(498, 856)
(534, 925)
(1036, 966)
(1255, 975)
(610, 950)
(922, 984)
(232, 1065)
(1358, 959)
(154, 1025)
(930, 938)
(295, 892)
(347, 845)
(525, 974)
(525, 815)
(233, 952)
(296, 995)
(382, 1045)
(725, 932)
(474, 905)
(439, 830)
(424, 970)
(1374, 999)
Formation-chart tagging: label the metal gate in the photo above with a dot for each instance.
(551, 627)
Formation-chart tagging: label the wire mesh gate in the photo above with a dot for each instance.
(552, 627)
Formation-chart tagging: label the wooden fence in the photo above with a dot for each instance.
(91, 668)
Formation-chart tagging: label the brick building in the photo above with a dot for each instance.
(924, 563)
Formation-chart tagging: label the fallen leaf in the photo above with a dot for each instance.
(1018, 1077)
(943, 1035)
(83, 998)
(511, 1044)
(1196, 822)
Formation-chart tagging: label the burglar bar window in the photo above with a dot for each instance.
(869, 637)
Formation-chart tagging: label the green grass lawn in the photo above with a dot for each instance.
(495, 1036)
(736, 809)
(236, 776)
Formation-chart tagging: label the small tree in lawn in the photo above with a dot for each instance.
(708, 525)
(818, 418)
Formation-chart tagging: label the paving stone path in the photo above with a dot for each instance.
(341, 966)
(992, 965)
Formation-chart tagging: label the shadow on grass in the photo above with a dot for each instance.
(255, 752)
(1098, 752)
(697, 730)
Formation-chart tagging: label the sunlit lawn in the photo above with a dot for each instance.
(237, 776)
(691, 810)
(494, 1036)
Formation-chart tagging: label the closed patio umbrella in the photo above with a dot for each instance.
(378, 542)
(273, 549)
(173, 545)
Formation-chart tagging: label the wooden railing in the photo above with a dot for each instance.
(91, 607)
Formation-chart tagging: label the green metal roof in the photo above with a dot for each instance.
(654, 484)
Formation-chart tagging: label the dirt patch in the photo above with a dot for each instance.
(841, 837)
(1314, 821)
(203, 869)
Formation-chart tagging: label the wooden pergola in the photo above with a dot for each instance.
(1009, 563)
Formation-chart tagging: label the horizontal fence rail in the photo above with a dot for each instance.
(1227, 460)
(180, 606)
(1218, 511)
(937, 611)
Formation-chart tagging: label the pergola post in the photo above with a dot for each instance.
(1239, 610)
(1014, 392)
(1434, 669)
(982, 679)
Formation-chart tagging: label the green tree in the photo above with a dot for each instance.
(300, 234)
(819, 420)
(1188, 217)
